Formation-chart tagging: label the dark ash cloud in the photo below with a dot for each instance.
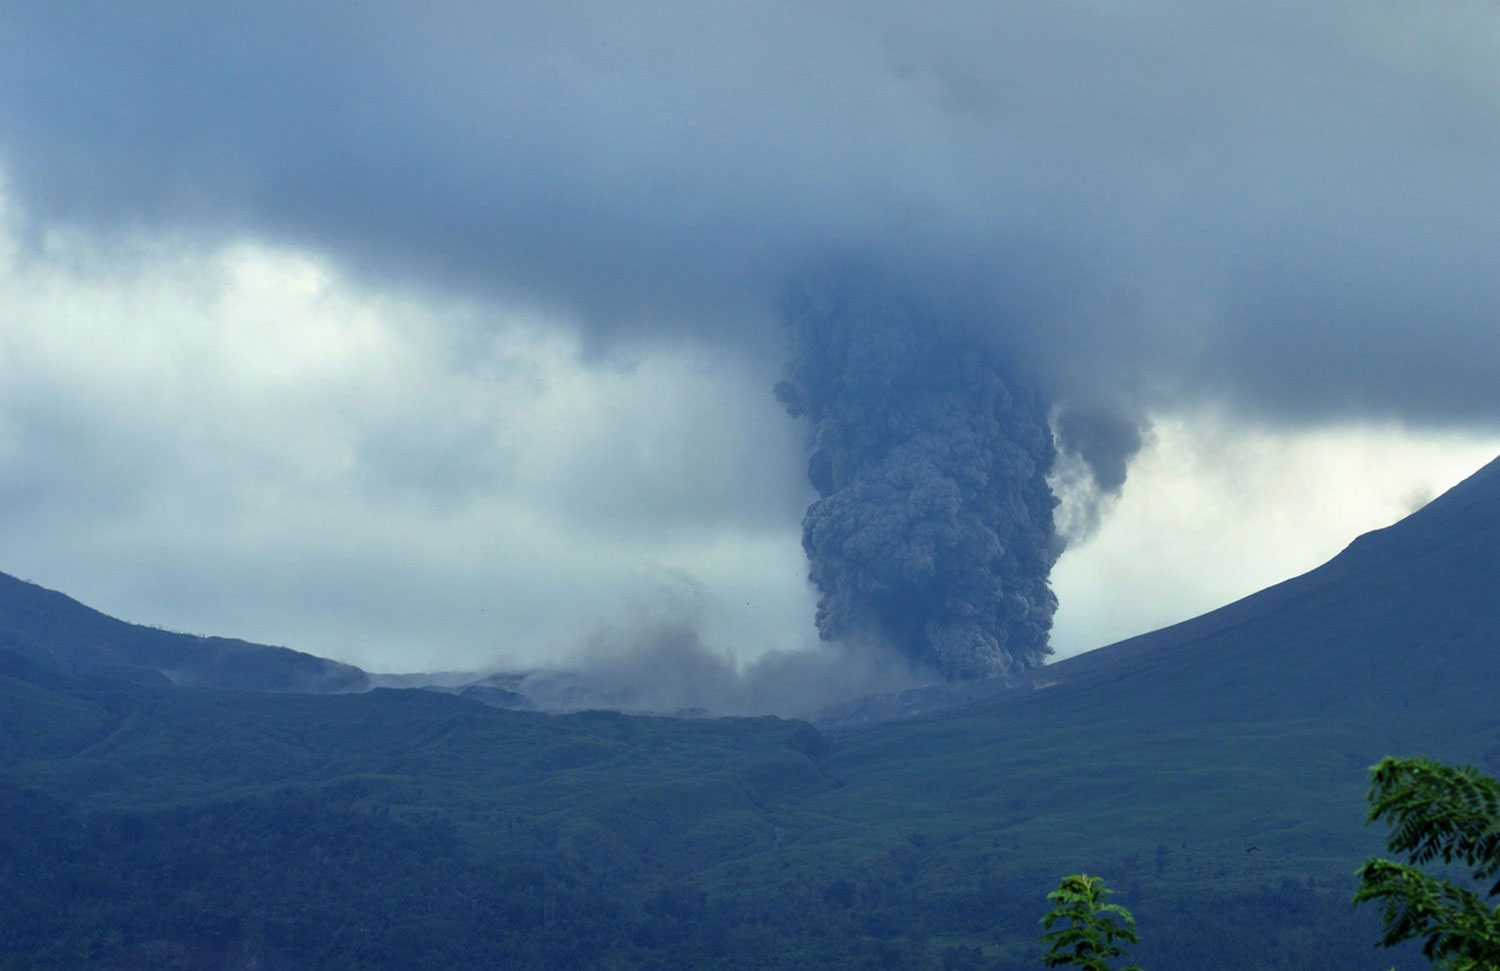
(933, 528)
(1104, 440)
(1095, 445)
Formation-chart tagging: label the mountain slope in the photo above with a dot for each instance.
(1406, 616)
(57, 632)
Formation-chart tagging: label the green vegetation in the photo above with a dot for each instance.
(1437, 812)
(1090, 926)
(147, 827)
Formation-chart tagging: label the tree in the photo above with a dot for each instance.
(1436, 812)
(1093, 926)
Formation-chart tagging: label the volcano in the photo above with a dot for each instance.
(1214, 772)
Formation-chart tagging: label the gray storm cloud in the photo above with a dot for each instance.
(1280, 206)
(933, 528)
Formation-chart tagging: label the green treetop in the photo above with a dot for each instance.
(1090, 927)
(1437, 812)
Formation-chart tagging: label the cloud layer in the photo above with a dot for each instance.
(1289, 206)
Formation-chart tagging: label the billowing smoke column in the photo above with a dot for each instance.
(933, 530)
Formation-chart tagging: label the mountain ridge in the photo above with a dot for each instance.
(51, 629)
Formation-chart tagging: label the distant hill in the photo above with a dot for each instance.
(54, 631)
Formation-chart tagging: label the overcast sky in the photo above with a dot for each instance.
(443, 337)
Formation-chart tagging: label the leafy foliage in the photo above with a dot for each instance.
(1436, 812)
(1091, 928)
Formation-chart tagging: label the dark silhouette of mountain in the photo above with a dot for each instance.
(52, 631)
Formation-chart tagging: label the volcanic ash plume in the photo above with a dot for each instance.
(933, 530)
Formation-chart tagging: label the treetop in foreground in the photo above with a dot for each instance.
(1437, 813)
(1091, 927)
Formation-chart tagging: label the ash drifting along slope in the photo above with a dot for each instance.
(1404, 623)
